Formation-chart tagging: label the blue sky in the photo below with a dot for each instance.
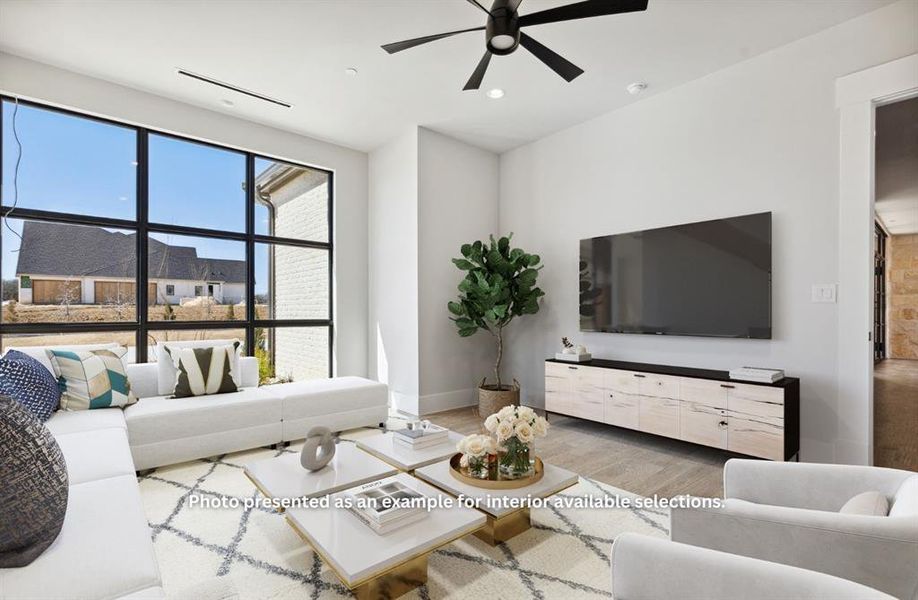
(86, 167)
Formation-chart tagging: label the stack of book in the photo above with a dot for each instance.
(756, 374)
(387, 504)
(419, 438)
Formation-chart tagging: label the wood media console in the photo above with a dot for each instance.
(695, 405)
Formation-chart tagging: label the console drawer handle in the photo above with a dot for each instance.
(729, 387)
(573, 368)
(638, 375)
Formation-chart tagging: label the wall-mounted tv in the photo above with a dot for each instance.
(711, 278)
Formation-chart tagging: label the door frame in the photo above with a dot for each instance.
(856, 97)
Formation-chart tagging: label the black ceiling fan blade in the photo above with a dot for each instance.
(474, 81)
(475, 2)
(582, 10)
(404, 45)
(557, 63)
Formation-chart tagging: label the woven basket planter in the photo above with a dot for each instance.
(491, 399)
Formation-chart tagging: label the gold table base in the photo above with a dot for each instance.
(501, 529)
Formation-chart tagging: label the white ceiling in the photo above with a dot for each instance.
(297, 52)
(897, 166)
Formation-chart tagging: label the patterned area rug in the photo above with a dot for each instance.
(215, 554)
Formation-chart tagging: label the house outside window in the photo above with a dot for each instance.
(70, 268)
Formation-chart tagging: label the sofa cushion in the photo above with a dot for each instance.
(204, 371)
(91, 379)
(905, 503)
(40, 353)
(304, 399)
(872, 504)
(93, 455)
(33, 487)
(161, 418)
(67, 421)
(26, 381)
(104, 549)
(167, 371)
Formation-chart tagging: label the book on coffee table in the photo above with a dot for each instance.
(386, 505)
(421, 438)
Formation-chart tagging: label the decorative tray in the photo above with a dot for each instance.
(495, 481)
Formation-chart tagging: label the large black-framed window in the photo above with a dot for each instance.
(149, 235)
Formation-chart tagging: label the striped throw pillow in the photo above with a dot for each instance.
(203, 371)
(91, 379)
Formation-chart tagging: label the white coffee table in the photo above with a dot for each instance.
(503, 522)
(284, 477)
(382, 566)
(384, 446)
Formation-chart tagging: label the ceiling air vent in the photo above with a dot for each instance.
(229, 86)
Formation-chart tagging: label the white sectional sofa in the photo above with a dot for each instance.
(105, 549)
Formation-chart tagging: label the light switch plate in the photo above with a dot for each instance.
(825, 293)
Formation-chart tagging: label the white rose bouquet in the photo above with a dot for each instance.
(516, 427)
(475, 450)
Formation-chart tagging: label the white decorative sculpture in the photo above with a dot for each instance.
(318, 449)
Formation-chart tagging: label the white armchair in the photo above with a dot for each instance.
(788, 513)
(646, 568)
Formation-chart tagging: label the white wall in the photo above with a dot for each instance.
(458, 189)
(393, 269)
(429, 194)
(762, 135)
(31, 80)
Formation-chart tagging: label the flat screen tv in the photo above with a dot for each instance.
(711, 278)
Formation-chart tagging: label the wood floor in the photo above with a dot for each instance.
(895, 414)
(637, 462)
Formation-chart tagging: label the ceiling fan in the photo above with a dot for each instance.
(503, 35)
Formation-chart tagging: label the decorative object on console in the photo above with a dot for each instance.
(33, 496)
(319, 448)
(499, 285)
(203, 371)
(478, 453)
(27, 381)
(571, 353)
(91, 379)
(516, 429)
(757, 374)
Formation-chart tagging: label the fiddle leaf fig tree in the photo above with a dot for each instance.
(499, 285)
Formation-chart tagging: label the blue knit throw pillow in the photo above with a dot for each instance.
(29, 383)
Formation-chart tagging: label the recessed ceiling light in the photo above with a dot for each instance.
(227, 102)
(350, 71)
(636, 88)
(495, 93)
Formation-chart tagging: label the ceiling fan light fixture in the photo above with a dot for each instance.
(503, 42)
(495, 94)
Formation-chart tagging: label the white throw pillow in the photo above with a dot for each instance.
(167, 373)
(873, 504)
(906, 502)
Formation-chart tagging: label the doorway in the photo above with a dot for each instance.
(895, 284)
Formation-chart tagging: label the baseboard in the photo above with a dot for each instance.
(404, 403)
(434, 403)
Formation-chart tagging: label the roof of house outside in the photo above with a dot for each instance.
(81, 251)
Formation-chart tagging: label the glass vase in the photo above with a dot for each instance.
(514, 460)
(478, 467)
